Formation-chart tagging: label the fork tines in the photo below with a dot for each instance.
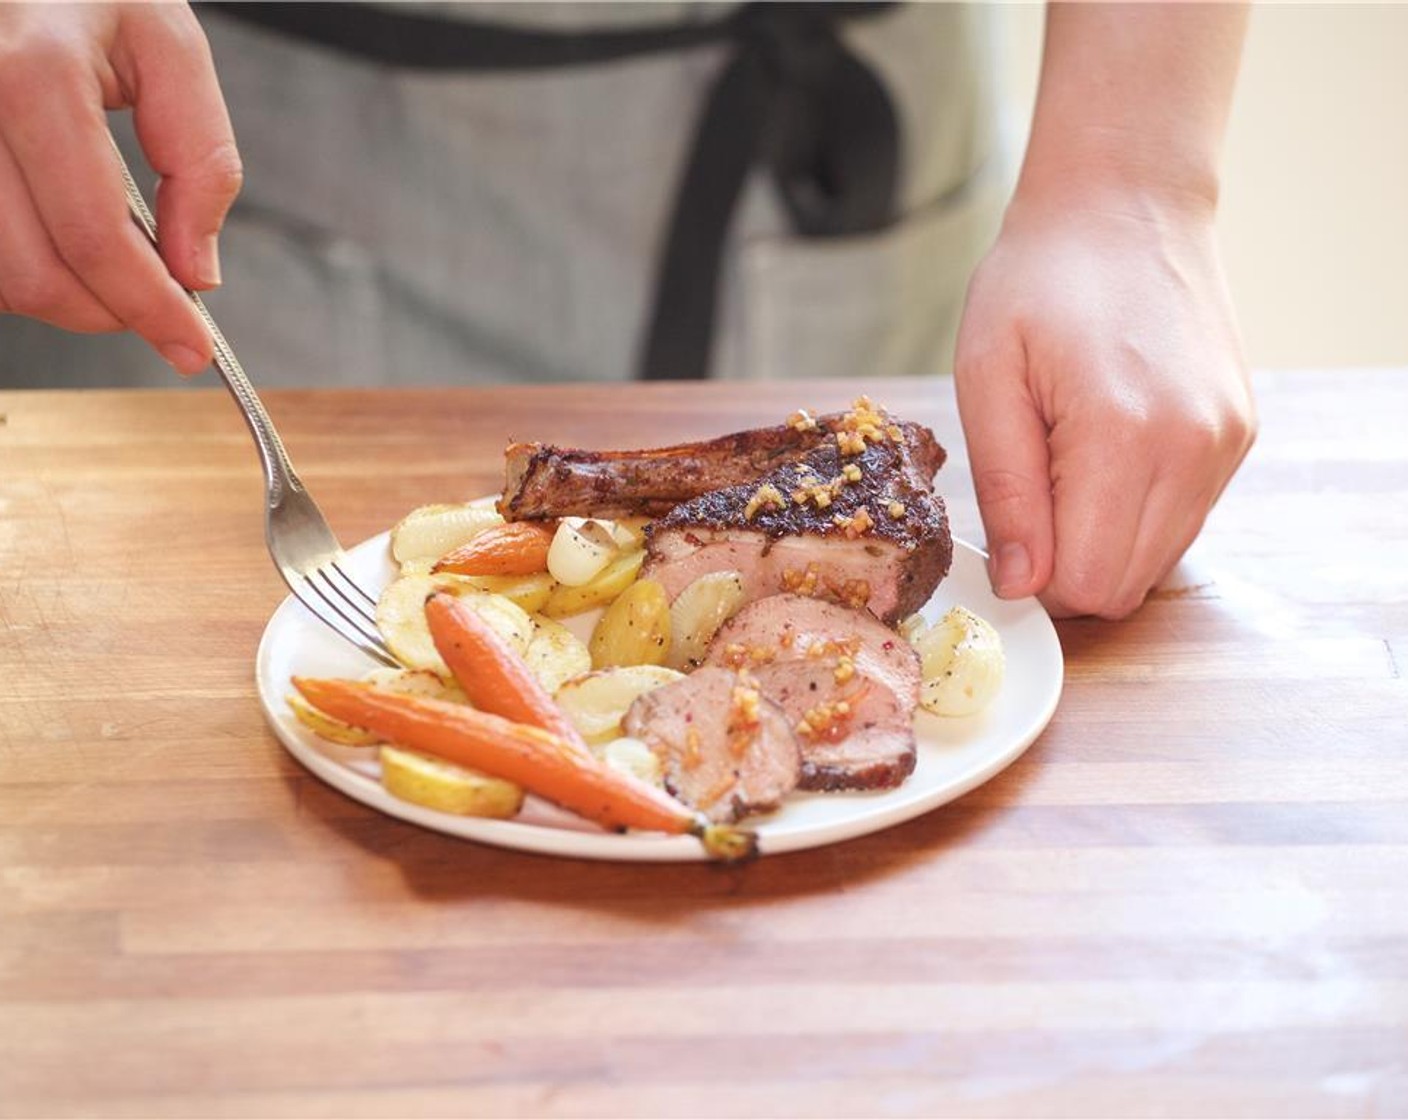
(333, 590)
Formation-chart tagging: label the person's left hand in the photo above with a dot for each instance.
(1103, 396)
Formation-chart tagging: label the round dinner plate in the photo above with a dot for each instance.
(955, 755)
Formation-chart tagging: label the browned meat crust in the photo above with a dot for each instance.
(861, 526)
(541, 481)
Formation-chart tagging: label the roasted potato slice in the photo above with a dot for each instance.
(400, 615)
(529, 592)
(326, 727)
(429, 532)
(414, 682)
(609, 583)
(596, 703)
(417, 682)
(633, 630)
(425, 780)
(555, 654)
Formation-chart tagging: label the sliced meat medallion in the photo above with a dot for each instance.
(725, 750)
(853, 732)
(848, 684)
(793, 627)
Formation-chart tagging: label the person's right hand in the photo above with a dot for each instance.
(69, 253)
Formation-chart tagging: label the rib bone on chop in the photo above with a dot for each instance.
(542, 481)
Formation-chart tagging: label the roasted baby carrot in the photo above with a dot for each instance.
(540, 762)
(515, 548)
(492, 674)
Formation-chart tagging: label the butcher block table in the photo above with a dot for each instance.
(1189, 897)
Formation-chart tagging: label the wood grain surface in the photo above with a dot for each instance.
(1190, 897)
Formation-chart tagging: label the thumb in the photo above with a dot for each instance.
(1007, 450)
(185, 132)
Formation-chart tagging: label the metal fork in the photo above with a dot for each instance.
(304, 549)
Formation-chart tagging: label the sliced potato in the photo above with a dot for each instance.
(429, 532)
(596, 703)
(416, 682)
(425, 780)
(697, 613)
(580, 549)
(326, 727)
(962, 664)
(635, 629)
(400, 615)
(530, 592)
(555, 654)
(510, 621)
(633, 757)
(609, 583)
(411, 682)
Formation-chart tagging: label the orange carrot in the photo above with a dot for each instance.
(537, 760)
(492, 674)
(515, 548)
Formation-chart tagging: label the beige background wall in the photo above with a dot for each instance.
(1314, 218)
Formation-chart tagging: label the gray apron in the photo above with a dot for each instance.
(403, 227)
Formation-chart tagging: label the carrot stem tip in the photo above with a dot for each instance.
(726, 843)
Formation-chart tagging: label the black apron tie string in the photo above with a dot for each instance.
(795, 100)
(792, 98)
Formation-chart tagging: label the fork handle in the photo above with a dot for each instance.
(278, 471)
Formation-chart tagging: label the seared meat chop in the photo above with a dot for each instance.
(541, 481)
(724, 749)
(848, 684)
(854, 521)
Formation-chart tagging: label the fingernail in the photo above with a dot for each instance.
(208, 262)
(1013, 569)
(185, 360)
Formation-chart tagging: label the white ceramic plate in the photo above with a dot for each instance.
(955, 755)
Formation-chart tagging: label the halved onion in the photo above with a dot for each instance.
(580, 549)
(962, 664)
(697, 613)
